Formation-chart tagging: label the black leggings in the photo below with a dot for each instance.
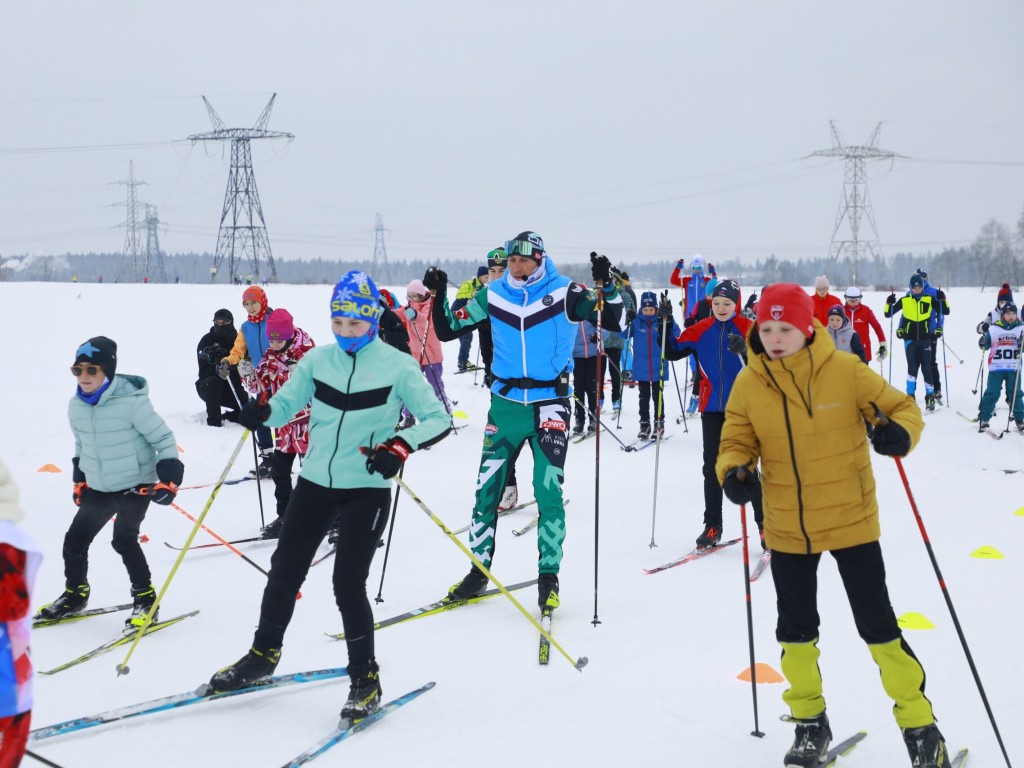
(362, 514)
(584, 384)
(97, 508)
(711, 423)
(281, 472)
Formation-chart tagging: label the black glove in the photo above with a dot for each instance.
(224, 368)
(600, 268)
(689, 321)
(938, 332)
(255, 412)
(170, 472)
(78, 493)
(982, 327)
(890, 299)
(665, 307)
(751, 301)
(901, 332)
(940, 296)
(891, 440)
(736, 344)
(387, 458)
(742, 485)
(435, 279)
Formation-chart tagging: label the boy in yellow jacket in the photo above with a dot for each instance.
(799, 408)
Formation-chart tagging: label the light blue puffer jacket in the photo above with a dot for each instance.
(356, 401)
(119, 440)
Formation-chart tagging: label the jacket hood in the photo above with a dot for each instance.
(791, 375)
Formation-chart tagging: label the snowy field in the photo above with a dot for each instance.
(661, 687)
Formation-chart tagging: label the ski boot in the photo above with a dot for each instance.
(509, 497)
(256, 665)
(616, 407)
(926, 746)
(262, 471)
(70, 602)
(692, 407)
(577, 430)
(472, 585)
(142, 600)
(982, 425)
(591, 428)
(645, 431)
(811, 743)
(710, 538)
(938, 398)
(1019, 423)
(659, 429)
(929, 403)
(364, 692)
(547, 592)
(463, 365)
(273, 529)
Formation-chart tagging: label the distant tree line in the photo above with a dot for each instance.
(996, 256)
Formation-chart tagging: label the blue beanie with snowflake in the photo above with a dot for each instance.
(357, 297)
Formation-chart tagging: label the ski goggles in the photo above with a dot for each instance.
(92, 370)
(522, 248)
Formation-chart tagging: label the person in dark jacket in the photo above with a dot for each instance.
(212, 389)
(391, 328)
(915, 329)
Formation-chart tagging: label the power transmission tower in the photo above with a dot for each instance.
(243, 232)
(154, 258)
(854, 203)
(381, 270)
(130, 260)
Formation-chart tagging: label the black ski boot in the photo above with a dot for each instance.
(471, 586)
(577, 430)
(982, 425)
(811, 742)
(363, 693)
(547, 591)
(645, 431)
(926, 746)
(254, 666)
(710, 538)
(142, 600)
(70, 602)
(273, 529)
(929, 403)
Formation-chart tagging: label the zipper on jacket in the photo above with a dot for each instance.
(341, 421)
(522, 335)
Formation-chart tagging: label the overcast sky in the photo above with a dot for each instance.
(646, 130)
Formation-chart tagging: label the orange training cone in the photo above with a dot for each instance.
(49, 468)
(765, 674)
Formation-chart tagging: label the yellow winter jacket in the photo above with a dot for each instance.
(803, 418)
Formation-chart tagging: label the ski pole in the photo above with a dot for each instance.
(750, 611)
(977, 379)
(659, 418)
(892, 317)
(952, 351)
(391, 530)
(579, 664)
(882, 421)
(42, 760)
(603, 425)
(1013, 394)
(682, 408)
(122, 668)
(476, 365)
(255, 460)
(598, 395)
(945, 371)
(231, 547)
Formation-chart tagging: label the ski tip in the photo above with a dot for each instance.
(581, 662)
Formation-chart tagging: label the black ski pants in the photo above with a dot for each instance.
(362, 514)
(920, 355)
(651, 391)
(584, 384)
(96, 510)
(612, 364)
(281, 472)
(863, 573)
(711, 423)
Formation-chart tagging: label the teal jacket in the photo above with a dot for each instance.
(119, 440)
(356, 401)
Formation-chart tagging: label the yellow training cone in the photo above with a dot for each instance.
(914, 621)
(987, 553)
(460, 415)
(1019, 512)
(49, 468)
(765, 674)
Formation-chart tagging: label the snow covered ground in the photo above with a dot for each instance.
(661, 687)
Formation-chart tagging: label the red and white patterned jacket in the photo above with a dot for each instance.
(270, 376)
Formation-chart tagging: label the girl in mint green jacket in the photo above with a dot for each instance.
(356, 389)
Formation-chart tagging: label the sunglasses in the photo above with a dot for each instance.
(92, 370)
(853, 298)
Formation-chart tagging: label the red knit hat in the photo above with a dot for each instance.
(789, 303)
(280, 325)
(255, 293)
(1005, 294)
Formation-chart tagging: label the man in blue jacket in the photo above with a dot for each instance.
(533, 311)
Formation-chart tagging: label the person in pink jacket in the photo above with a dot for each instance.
(423, 342)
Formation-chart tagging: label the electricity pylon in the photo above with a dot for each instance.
(854, 203)
(243, 232)
(154, 257)
(381, 270)
(130, 260)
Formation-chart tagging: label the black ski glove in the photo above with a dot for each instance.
(435, 279)
(891, 439)
(600, 268)
(170, 472)
(751, 301)
(665, 307)
(690, 321)
(742, 485)
(387, 458)
(890, 299)
(255, 412)
(736, 344)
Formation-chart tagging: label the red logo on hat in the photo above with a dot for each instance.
(776, 312)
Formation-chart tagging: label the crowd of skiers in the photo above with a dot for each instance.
(758, 370)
